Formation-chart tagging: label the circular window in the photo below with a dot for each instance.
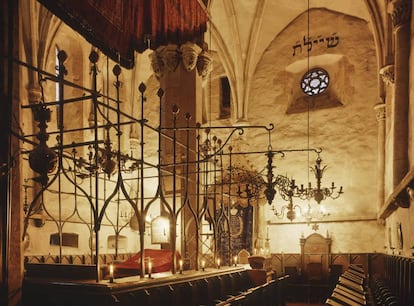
(315, 81)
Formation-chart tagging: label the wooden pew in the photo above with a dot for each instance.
(267, 294)
(350, 289)
(350, 296)
(349, 283)
(332, 302)
(358, 294)
(343, 299)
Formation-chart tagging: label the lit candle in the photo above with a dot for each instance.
(149, 267)
(180, 264)
(203, 264)
(235, 260)
(111, 273)
(218, 263)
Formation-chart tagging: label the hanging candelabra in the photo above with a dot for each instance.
(318, 193)
(42, 159)
(288, 190)
(290, 209)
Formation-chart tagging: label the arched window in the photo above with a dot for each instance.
(225, 97)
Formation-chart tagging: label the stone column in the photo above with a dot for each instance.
(400, 11)
(380, 112)
(11, 207)
(181, 71)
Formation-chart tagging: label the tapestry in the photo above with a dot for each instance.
(241, 229)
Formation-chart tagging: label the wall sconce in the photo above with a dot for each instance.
(125, 212)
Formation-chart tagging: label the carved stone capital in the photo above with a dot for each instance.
(387, 74)
(134, 144)
(400, 11)
(157, 63)
(167, 58)
(204, 64)
(34, 94)
(170, 57)
(189, 54)
(380, 111)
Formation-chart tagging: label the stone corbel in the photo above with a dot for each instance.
(170, 57)
(134, 143)
(204, 64)
(400, 11)
(167, 58)
(380, 111)
(34, 94)
(189, 54)
(387, 74)
(157, 63)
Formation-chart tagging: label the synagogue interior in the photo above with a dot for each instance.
(207, 152)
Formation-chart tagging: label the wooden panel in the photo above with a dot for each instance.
(315, 244)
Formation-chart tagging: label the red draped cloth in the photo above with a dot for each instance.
(160, 259)
(120, 27)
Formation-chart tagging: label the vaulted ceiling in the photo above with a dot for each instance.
(240, 29)
(263, 47)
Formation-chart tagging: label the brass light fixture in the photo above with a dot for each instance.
(318, 193)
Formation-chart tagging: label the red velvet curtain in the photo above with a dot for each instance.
(120, 27)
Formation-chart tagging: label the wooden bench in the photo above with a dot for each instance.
(266, 294)
(350, 289)
(42, 286)
(60, 271)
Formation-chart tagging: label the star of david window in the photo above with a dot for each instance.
(315, 81)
